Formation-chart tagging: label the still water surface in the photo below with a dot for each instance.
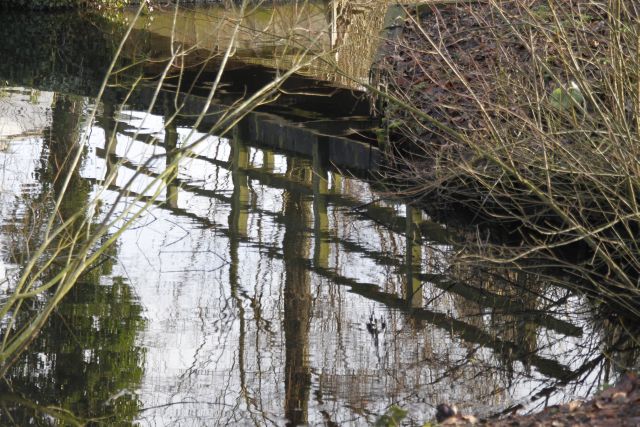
(265, 285)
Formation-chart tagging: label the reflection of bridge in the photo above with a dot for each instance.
(314, 179)
(276, 36)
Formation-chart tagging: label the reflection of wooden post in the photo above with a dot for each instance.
(238, 216)
(110, 141)
(234, 284)
(297, 309)
(170, 144)
(413, 257)
(320, 220)
(267, 159)
(336, 182)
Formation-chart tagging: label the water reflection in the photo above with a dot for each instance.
(345, 34)
(42, 50)
(85, 364)
(258, 273)
(444, 333)
(266, 285)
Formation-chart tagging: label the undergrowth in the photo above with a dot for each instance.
(527, 112)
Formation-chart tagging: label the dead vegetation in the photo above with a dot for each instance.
(527, 112)
(615, 406)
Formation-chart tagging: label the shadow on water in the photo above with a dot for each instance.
(271, 283)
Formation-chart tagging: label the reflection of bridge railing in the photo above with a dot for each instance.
(262, 129)
(315, 187)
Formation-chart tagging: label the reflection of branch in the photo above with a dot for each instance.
(364, 205)
(587, 367)
(186, 402)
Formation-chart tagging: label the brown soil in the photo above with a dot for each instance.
(464, 65)
(614, 407)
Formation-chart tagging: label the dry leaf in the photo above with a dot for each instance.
(574, 405)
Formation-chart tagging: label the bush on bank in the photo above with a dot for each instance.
(538, 111)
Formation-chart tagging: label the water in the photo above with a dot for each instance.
(268, 283)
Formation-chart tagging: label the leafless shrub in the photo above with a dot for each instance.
(538, 104)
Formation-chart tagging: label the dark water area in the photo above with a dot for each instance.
(270, 282)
